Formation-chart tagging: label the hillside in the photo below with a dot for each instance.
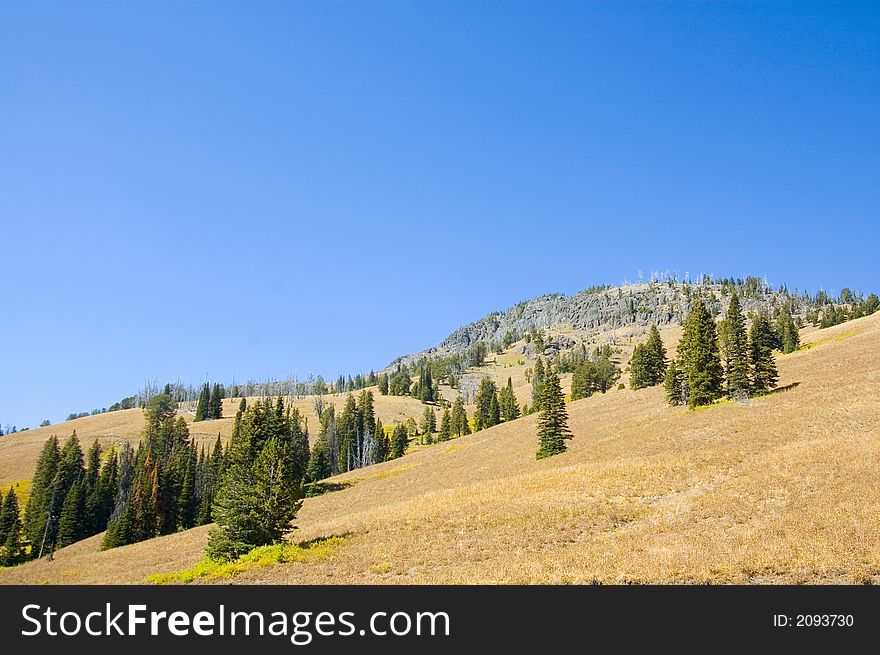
(19, 451)
(782, 489)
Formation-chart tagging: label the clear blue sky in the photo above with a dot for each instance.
(259, 188)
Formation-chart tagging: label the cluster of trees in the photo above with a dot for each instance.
(71, 496)
(260, 485)
(724, 359)
(647, 367)
(825, 312)
(354, 439)
(400, 383)
(163, 486)
(493, 406)
(597, 374)
(209, 406)
(167, 484)
(454, 422)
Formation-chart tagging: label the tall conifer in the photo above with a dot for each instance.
(553, 428)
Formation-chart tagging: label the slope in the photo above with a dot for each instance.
(782, 489)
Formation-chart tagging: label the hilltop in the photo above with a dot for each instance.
(779, 489)
(608, 314)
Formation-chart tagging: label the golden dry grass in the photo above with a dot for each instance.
(19, 451)
(781, 490)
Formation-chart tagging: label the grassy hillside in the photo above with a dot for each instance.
(19, 451)
(783, 489)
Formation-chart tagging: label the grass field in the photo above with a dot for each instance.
(783, 489)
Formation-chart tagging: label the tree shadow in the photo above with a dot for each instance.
(314, 489)
(317, 541)
(787, 387)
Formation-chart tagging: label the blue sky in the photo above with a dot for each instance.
(192, 189)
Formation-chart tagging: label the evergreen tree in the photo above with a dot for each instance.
(202, 404)
(761, 340)
(72, 521)
(460, 424)
(12, 548)
(188, 499)
(215, 403)
(487, 412)
(789, 338)
(424, 388)
(596, 375)
(90, 489)
(699, 358)
(429, 423)
(734, 347)
(42, 490)
(647, 367)
(300, 444)
(445, 433)
(553, 427)
(399, 441)
(639, 375)
(259, 495)
(381, 444)
(122, 530)
(319, 462)
(509, 408)
(656, 357)
(675, 385)
(347, 432)
(101, 502)
(383, 384)
(9, 514)
(537, 382)
(156, 489)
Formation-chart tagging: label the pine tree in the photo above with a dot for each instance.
(674, 383)
(537, 382)
(761, 340)
(460, 424)
(381, 444)
(12, 548)
(508, 406)
(639, 376)
(9, 514)
(429, 424)
(122, 530)
(100, 505)
(319, 462)
(735, 348)
(399, 441)
(202, 404)
(699, 358)
(487, 412)
(445, 433)
(656, 353)
(347, 433)
(71, 524)
(259, 495)
(36, 517)
(188, 500)
(90, 489)
(215, 403)
(553, 427)
(787, 332)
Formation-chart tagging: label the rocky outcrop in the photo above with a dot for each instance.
(594, 312)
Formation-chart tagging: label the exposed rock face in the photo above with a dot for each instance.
(595, 312)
